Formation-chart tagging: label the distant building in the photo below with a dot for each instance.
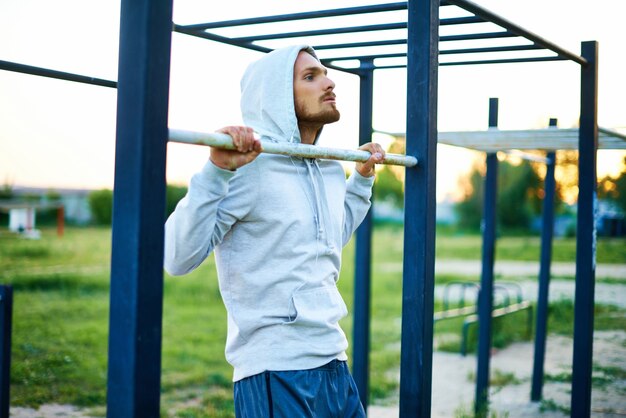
(74, 201)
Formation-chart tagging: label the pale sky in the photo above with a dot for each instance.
(55, 133)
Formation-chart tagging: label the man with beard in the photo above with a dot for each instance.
(277, 225)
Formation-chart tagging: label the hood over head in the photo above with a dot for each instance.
(267, 102)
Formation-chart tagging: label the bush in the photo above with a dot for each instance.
(101, 205)
(173, 195)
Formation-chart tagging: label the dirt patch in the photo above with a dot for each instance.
(453, 384)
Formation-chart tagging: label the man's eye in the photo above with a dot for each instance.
(308, 77)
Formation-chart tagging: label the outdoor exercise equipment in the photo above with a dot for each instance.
(512, 302)
(220, 140)
(139, 203)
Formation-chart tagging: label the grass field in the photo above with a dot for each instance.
(60, 323)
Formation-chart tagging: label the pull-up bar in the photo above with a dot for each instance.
(295, 150)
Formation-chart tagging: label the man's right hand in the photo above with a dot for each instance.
(247, 148)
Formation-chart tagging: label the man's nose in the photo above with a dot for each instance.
(330, 84)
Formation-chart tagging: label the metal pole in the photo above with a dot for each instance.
(585, 234)
(362, 270)
(419, 210)
(283, 148)
(485, 300)
(134, 369)
(547, 231)
(6, 321)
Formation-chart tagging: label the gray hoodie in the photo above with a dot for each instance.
(277, 226)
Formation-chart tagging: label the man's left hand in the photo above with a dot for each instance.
(367, 169)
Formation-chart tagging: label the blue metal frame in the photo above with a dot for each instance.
(61, 75)
(479, 15)
(585, 233)
(362, 270)
(485, 299)
(418, 281)
(547, 231)
(139, 210)
(6, 322)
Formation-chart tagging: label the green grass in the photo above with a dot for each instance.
(61, 303)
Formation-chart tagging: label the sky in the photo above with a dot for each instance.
(59, 134)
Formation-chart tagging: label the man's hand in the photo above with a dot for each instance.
(248, 148)
(367, 168)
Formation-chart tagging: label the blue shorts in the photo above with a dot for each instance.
(325, 392)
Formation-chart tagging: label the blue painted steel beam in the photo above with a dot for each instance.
(6, 322)
(443, 52)
(444, 64)
(354, 29)
(403, 41)
(346, 11)
(61, 75)
(418, 280)
(485, 299)
(505, 61)
(362, 269)
(547, 232)
(319, 32)
(585, 234)
(134, 369)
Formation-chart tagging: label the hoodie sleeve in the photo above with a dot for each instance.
(204, 216)
(357, 203)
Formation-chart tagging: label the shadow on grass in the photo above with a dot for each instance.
(60, 282)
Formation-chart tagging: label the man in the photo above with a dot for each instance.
(277, 225)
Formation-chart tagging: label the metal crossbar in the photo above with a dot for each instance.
(282, 148)
(479, 15)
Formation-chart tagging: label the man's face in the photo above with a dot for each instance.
(313, 91)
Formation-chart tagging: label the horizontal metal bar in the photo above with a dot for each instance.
(475, 36)
(361, 44)
(505, 61)
(376, 8)
(355, 29)
(528, 156)
(61, 75)
(442, 52)
(612, 132)
(368, 57)
(223, 39)
(319, 32)
(461, 20)
(512, 27)
(295, 150)
(464, 37)
(496, 61)
(490, 49)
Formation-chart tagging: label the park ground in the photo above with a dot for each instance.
(61, 326)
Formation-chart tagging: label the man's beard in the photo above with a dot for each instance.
(323, 117)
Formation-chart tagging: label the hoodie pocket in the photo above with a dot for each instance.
(321, 307)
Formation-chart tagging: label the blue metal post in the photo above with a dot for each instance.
(547, 231)
(585, 234)
(139, 210)
(362, 270)
(6, 322)
(419, 210)
(485, 300)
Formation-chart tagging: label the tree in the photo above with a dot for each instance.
(519, 196)
(173, 195)
(614, 188)
(389, 188)
(101, 205)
